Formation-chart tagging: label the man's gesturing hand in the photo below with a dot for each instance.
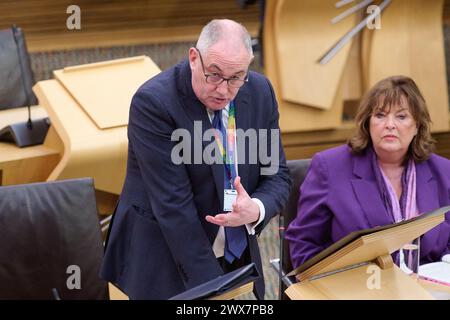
(245, 210)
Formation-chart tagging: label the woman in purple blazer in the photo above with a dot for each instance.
(386, 173)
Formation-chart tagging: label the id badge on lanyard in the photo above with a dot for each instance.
(229, 197)
(230, 194)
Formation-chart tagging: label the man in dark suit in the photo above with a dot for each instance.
(185, 216)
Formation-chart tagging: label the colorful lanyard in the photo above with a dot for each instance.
(228, 153)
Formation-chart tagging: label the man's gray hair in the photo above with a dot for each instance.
(215, 31)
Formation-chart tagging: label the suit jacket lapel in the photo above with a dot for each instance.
(367, 191)
(196, 111)
(241, 103)
(217, 169)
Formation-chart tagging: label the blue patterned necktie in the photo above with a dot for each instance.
(235, 237)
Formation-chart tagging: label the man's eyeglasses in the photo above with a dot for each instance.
(217, 79)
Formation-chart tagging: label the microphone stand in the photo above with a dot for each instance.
(15, 32)
(281, 230)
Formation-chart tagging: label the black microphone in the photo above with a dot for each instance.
(16, 33)
(27, 133)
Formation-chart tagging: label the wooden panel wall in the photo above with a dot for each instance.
(302, 145)
(122, 22)
(447, 12)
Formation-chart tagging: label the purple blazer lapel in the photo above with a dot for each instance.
(366, 190)
(426, 188)
(427, 200)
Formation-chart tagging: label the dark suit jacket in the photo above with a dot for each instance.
(340, 195)
(160, 243)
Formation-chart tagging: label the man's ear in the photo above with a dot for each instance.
(192, 57)
(251, 60)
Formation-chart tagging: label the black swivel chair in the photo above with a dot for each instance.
(298, 170)
(50, 241)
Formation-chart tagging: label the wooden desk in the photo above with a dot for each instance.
(235, 293)
(24, 165)
(87, 150)
(91, 124)
(116, 294)
(440, 291)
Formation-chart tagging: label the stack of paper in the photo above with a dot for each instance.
(437, 272)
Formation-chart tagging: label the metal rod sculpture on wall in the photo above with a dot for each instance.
(349, 35)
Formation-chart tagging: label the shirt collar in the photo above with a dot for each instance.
(211, 112)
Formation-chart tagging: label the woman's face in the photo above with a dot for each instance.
(392, 131)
